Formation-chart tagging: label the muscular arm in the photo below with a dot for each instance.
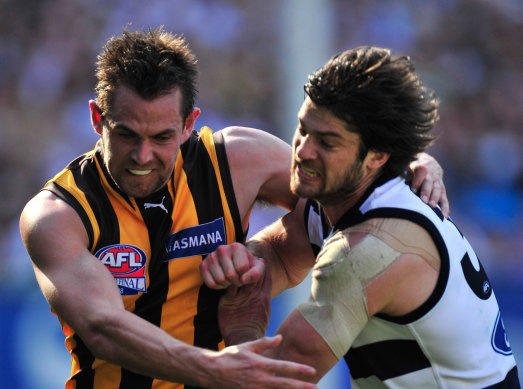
(83, 293)
(313, 352)
(286, 248)
(260, 170)
(260, 166)
(352, 282)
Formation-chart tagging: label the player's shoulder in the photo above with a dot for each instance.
(256, 149)
(43, 207)
(249, 136)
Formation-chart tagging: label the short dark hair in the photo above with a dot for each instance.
(150, 62)
(382, 97)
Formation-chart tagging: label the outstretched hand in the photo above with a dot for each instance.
(242, 366)
(427, 182)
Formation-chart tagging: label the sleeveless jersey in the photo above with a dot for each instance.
(153, 248)
(456, 339)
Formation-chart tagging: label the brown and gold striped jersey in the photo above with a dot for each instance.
(153, 248)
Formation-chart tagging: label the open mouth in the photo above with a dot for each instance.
(137, 172)
(309, 172)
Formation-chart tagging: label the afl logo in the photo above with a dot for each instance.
(127, 265)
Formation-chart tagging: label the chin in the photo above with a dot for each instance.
(300, 191)
(137, 191)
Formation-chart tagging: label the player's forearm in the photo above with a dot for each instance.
(264, 245)
(126, 340)
(285, 247)
(243, 313)
(313, 352)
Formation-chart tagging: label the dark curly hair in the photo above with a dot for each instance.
(151, 63)
(382, 97)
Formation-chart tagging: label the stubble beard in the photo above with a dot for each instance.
(344, 186)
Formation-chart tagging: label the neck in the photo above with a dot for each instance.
(335, 210)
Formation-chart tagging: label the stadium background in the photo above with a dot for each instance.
(254, 57)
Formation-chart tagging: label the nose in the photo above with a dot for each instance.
(142, 152)
(304, 147)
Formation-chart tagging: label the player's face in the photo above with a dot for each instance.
(326, 166)
(141, 140)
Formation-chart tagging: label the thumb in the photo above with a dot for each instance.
(255, 273)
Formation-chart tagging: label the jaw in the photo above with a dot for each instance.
(304, 185)
(138, 185)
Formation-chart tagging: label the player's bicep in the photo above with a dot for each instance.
(285, 247)
(74, 282)
(259, 164)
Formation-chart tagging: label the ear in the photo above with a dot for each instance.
(96, 116)
(375, 160)
(189, 123)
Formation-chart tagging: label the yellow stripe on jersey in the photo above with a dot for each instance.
(206, 134)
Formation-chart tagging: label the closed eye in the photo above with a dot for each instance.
(124, 134)
(325, 144)
(164, 136)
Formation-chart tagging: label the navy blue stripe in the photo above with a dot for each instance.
(386, 359)
(353, 216)
(426, 223)
(511, 381)
(313, 206)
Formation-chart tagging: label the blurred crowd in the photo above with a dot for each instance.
(469, 51)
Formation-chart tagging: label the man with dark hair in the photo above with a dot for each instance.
(134, 210)
(116, 238)
(397, 291)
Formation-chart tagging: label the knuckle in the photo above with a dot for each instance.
(222, 249)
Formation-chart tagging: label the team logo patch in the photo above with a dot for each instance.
(499, 338)
(127, 265)
(197, 240)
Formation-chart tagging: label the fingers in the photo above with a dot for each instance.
(212, 276)
(441, 199)
(255, 273)
(263, 344)
(427, 182)
(279, 367)
(230, 265)
(433, 193)
(420, 172)
(429, 191)
(244, 364)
